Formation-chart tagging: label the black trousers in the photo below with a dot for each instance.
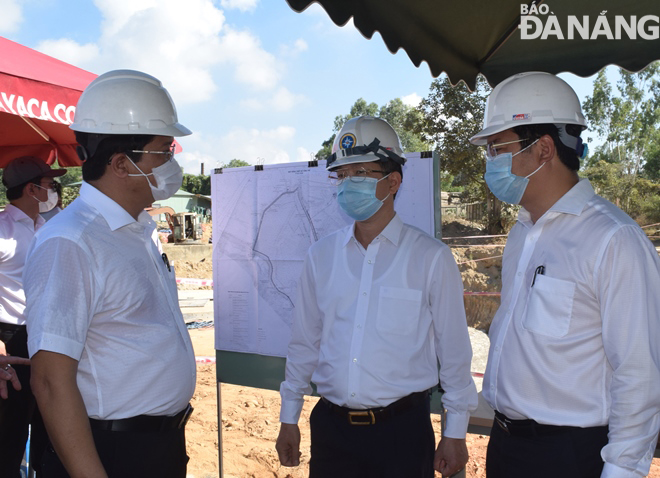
(18, 411)
(571, 454)
(400, 447)
(131, 455)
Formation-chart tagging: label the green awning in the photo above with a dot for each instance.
(465, 38)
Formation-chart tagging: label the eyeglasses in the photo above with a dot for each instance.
(355, 176)
(491, 148)
(49, 185)
(170, 153)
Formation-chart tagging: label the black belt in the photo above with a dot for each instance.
(532, 428)
(373, 415)
(144, 423)
(11, 327)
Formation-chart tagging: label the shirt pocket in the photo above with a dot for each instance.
(398, 310)
(550, 307)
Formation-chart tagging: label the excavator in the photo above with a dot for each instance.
(185, 226)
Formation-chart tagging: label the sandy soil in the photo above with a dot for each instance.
(250, 416)
(250, 426)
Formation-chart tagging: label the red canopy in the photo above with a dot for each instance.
(38, 97)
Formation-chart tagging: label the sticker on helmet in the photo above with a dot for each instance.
(347, 141)
(520, 116)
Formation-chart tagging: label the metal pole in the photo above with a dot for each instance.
(220, 463)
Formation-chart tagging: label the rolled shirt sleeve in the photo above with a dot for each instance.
(628, 284)
(452, 344)
(303, 352)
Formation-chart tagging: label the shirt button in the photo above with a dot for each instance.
(359, 326)
(369, 261)
(364, 293)
(354, 360)
(353, 394)
(519, 274)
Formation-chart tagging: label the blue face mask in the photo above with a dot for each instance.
(505, 185)
(359, 200)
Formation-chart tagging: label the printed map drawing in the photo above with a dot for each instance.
(263, 224)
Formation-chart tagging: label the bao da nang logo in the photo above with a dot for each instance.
(539, 22)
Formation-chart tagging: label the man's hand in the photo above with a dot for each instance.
(451, 456)
(288, 444)
(8, 374)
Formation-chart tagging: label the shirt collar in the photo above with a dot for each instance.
(391, 232)
(115, 215)
(573, 202)
(18, 215)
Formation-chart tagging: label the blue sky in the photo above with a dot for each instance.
(251, 78)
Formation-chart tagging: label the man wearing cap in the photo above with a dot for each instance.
(113, 368)
(379, 305)
(574, 369)
(29, 182)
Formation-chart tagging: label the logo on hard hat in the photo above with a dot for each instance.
(347, 141)
(520, 116)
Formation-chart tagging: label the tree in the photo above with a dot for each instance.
(69, 193)
(235, 163)
(627, 121)
(403, 118)
(451, 116)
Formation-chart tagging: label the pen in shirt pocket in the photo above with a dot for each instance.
(540, 270)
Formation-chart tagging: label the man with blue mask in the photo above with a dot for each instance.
(573, 370)
(379, 305)
(113, 368)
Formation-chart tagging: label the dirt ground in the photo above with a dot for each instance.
(250, 416)
(250, 426)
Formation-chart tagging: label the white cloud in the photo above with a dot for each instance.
(413, 99)
(69, 51)
(302, 154)
(11, 17)
(176, 43)
(254, 65)
(269, 146)
(252, 104)
(242, 5)
(291, 51)
(281, 101)
(284, 100)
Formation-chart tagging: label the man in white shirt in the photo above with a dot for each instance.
(113, 368)
(379, 304)
(29, 182)
(573, 371)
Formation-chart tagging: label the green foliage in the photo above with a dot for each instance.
(235, 163)
(628, 120)
(404, 119)
(200, 184)
(451, 115)
(69, 193)
(626, 168)
(635, 195)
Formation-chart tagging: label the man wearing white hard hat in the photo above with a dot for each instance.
(380, 303)
(113, 368)
(573, 371)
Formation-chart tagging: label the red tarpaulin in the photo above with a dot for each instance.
(38, 96)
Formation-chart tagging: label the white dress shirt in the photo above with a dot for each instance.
(371, 325)
(99, 292)
(580, 346)
(16, 233)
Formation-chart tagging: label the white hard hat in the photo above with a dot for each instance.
(127, 102)
(530, 98)
(365, 139)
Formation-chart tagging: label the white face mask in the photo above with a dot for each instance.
(168, 176)
(48, 204)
